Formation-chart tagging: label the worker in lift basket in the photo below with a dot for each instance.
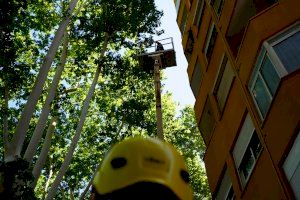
(142, 169)
(159, 46)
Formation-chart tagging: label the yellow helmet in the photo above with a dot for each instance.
(142, 168)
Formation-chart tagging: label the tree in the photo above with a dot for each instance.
(14, 39)
(18, 60)
(23, 124)
(121, 20)
(185, 136)
(108, 122)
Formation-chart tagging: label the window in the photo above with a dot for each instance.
(218, 6)
(188, 51)
(210, 41)
(242, 13)
(288, 51)
(230, 195)
(246, 150)
(207, 122)
(177, 5)
(223, 82)
(199, 13)
(183, 20)
(196, 78)
(278, 57)
(291, 167)
(225, 190)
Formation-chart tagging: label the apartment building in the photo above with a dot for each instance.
(244, 70)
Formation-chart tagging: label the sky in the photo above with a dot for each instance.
(176, 77)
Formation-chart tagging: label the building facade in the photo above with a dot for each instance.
(244, 70)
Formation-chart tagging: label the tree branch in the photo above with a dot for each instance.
(76, 137)
(89, 184)
(45, 149)
(39, 129)
(23, 124)
(5, 119)
(49, 178)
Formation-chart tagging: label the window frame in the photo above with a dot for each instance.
(201, 77)
(208, 41)
(244, 179)
(207, 105)
(255, 76)
(227, 195)
(198, 18)
(219, 9)
(244, 137)
(268, 50)
(218, 81)
(292, 150)
(189, 46)
(223, 187)
(184, 18)
(177, 6)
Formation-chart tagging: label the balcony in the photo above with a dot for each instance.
(243, 11)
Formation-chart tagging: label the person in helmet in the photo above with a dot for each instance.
(159, 46)
(144, 169)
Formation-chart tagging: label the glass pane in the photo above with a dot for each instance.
(207, 122)
(198, 14)
(293, 159)
(291, 167)
(218, 5)
(270, 75)
(211, 43)
(224, 86)
(255, 144)
(184, 20)
(201, 15)
(196, 79)
(243, 140)
(261, 96)
(247, 163)
(224, 187)
(295, 182)
(288, 51)
(230, 195)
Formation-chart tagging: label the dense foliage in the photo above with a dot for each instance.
(101, 42)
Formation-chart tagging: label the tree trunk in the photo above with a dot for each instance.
(23, 124)
(45, 149)
(48, 180)
(72, 194)
(86, 189)
(63, 193)
(6, 144)
(76, 137)
(89, 184)
(39, 129)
